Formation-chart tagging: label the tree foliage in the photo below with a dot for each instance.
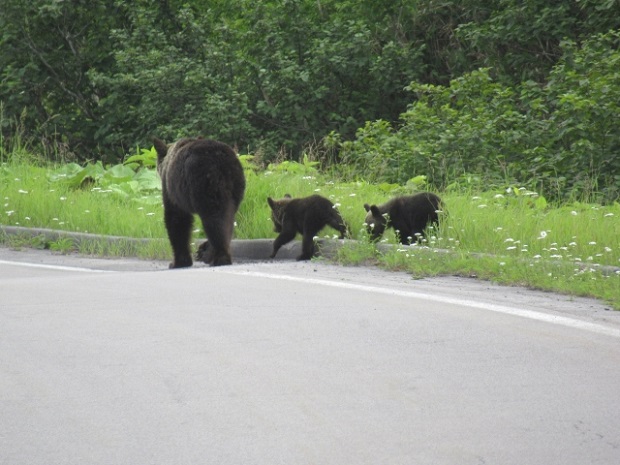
(93, 80)
(101, 79)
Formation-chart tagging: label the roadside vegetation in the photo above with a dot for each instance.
(510, 234)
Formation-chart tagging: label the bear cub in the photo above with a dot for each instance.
(203, 177)
(409, 215)
(307, 216)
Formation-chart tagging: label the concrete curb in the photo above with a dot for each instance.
(241, 249)
(51, 235)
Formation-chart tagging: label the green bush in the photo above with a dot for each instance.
(562, 138)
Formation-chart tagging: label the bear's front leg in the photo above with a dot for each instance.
(204, 252)
(285, 237)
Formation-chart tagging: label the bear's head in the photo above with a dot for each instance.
(277, 211)
(375, 221)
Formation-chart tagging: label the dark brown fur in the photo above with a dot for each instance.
(203, 177)
(409, 215)
(307, 216)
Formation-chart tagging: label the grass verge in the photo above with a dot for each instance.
(510, 236)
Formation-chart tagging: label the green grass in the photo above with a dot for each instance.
(509, 236)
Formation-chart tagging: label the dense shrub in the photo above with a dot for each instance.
(562, 137)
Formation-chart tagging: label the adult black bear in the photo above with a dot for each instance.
(409, 215)
(203, 177)
(307, 216)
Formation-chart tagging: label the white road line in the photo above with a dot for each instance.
(53, 267)
(532, 315)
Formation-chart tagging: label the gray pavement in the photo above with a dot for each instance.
(125, 362)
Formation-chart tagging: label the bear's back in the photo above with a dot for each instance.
(412, 211)
(198, 171)
(312, 211)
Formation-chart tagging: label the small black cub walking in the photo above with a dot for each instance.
(409, 215)
(307, 216)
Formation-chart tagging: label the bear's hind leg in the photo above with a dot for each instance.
(307, 244)
(219, 230)
(340, 225)
(179, 227)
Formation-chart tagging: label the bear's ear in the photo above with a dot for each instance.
(366, 207)
(160, 147)
(375, 211)
(287, 196)
(271, 202)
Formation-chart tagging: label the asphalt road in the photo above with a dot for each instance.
(125, 362)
